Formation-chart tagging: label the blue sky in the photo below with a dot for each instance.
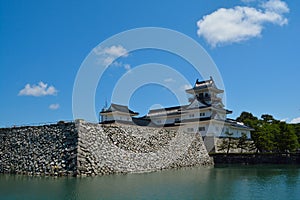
(254, 44)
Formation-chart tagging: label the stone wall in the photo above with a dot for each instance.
(122, 149)
(87, 149)
(39, 150)
(253, 159)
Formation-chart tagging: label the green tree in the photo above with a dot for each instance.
(227, 143)
(242, 142)
(269, 119)
(246, 116)
(271, 135)
(264, 137)
(297, 131)
(250, 120)
(286, 140)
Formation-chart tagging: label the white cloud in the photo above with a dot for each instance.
(276, 6)
(108, 60)
(127, 67)
(240, 23)
(41, 89)
(116, 51)
(109, 54)
(54, 106)
(117, 64)
(295, 121)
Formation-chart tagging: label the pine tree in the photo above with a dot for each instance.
(227, 143)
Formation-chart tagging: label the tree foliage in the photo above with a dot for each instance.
(242, 142)
(287, 138)
(271, 135)
(297, 131)
(227, 143)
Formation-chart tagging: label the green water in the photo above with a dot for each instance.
(234, 182)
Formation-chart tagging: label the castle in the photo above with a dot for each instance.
(124, 143)
(205, 114)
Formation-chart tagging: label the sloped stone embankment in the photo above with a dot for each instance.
(88, 149)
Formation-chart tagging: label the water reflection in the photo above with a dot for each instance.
(223, 182)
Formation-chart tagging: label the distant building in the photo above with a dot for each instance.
(117, 113)
(205, 114)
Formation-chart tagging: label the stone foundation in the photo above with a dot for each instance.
(88, 149)
(39, 150)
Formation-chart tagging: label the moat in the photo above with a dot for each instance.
(221, 182)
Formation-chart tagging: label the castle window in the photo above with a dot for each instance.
(191, 115)
(201, 128)
(202, 114)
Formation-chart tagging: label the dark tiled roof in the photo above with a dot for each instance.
(201, 82)
(175, 108)
(171, 125)
(234, 123)
(117, 121)
(139, 122)
(119, 108)
(204, 85)
(228, 111)
(196, 119)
